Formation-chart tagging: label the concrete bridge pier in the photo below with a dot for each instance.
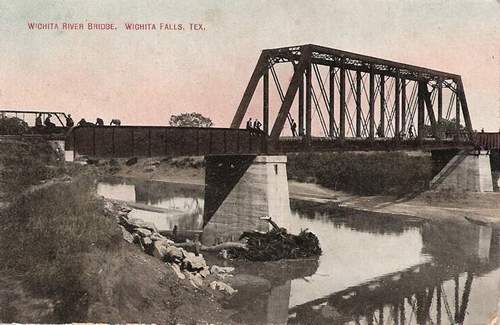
(467, 171)
(239, 190)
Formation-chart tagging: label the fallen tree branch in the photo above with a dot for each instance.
(215, 248)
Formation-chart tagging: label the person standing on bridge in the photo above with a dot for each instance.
(69, 121)
(38, 120)
(99, 122)
(411, 131)
(257, 126)
(249, 124)
(48, 123)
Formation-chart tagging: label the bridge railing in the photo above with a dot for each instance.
(150, 141)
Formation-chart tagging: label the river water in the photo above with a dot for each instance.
(373, 270)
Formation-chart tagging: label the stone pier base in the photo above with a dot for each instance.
(241, 189)
(466, 172)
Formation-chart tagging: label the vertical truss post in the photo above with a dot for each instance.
(308, 103)
(265, 101)
(372, 104)
(403, 105)
(249, 91)
(440, 100)
(420, 112)
(382, 106)
(397, 102)
(342, 108)
(301, 104)
(358, 104)
(457, 116)
(332, 101)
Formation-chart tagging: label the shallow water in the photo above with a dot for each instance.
(372, 270)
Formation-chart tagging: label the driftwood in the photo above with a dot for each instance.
(215, 248)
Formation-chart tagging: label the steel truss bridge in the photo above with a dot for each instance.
(359, 103)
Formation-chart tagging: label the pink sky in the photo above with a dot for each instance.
(142, 77)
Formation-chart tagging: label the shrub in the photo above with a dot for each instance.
(362, 173)
(25, 164)
(13, 126)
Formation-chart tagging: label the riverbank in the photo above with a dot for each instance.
(429, 205)
(63, 258)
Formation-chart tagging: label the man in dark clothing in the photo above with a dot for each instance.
(294, 128)
(69, 121)
(48, 123)
(411, 131)
(257, 125)
(249, 124)
(99, 122)
(38, 120)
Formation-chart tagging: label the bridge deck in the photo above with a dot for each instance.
(151, 141)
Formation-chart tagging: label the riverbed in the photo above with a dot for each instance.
(372, 268)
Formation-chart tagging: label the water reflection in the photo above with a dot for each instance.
(374, 269)
(164, 204)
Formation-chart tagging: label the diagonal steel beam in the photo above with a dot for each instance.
(260, 67)
(430, 111)
(465, 107)
(304, 61)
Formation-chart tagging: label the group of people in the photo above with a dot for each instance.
(255, 127)
(47, 122)
(70, 123)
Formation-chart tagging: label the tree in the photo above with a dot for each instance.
(13, 126)
(444, 128)
(190, 120)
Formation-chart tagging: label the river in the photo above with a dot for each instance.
(373, 269)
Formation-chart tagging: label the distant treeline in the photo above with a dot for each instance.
(363, 173)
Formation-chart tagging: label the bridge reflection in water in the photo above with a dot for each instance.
(436, 292)
(374, 270)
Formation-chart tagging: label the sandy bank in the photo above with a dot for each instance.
(479, 207)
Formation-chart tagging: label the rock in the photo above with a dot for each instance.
(223, 276)
(221, 286)
(143, 232)
(215, 269)
(131, 161)
(195, 279)
(154, 163)
(193, 262)
(178, 271)
(174, 254)
(160, 249)
(204, 272)
(126, 235)
(137, 240)
(156, 236)
(109, 208)
(147, 241)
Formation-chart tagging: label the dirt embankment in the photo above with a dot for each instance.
(62, 259)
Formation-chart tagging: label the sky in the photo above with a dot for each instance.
(143, 77)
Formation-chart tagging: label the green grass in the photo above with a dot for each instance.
(43, 235)
(360, 173)
(45, 232)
